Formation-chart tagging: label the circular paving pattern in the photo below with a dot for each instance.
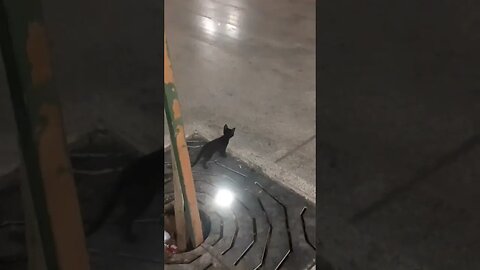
(266, 227)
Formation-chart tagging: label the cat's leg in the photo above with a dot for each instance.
(204, 163)
(206, 158)
(223, 152)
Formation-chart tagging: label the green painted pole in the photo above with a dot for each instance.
(53, 218)
(180, 153)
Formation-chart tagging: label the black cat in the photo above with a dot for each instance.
(138, 184)
(217, 145)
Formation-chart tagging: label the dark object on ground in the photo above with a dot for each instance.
(218, 145)
(139, 182)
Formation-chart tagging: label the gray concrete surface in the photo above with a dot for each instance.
(398, 102)
(251, 65)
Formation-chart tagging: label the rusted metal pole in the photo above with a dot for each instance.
(56, 237)
(180, 151)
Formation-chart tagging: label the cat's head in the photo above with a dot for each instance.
(229, 132)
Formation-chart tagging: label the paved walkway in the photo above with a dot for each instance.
(250, 64)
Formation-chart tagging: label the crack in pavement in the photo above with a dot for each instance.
(295, 148)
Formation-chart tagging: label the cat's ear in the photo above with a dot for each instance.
(225, 128)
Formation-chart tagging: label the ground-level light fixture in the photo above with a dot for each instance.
(224, 198)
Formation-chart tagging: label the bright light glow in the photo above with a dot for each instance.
(208, 25)
(166, 236)
(224, 198)
(232, 30)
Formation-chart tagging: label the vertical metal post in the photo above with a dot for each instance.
(179, 206)
(56, 235)
(180, 151)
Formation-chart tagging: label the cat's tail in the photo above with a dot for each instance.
(199, 156)
(108, 208)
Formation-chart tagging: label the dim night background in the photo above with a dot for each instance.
(398, 94)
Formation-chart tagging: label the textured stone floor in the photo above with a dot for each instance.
(267, 226)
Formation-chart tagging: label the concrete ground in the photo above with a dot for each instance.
(398, 101)
(250, 65)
